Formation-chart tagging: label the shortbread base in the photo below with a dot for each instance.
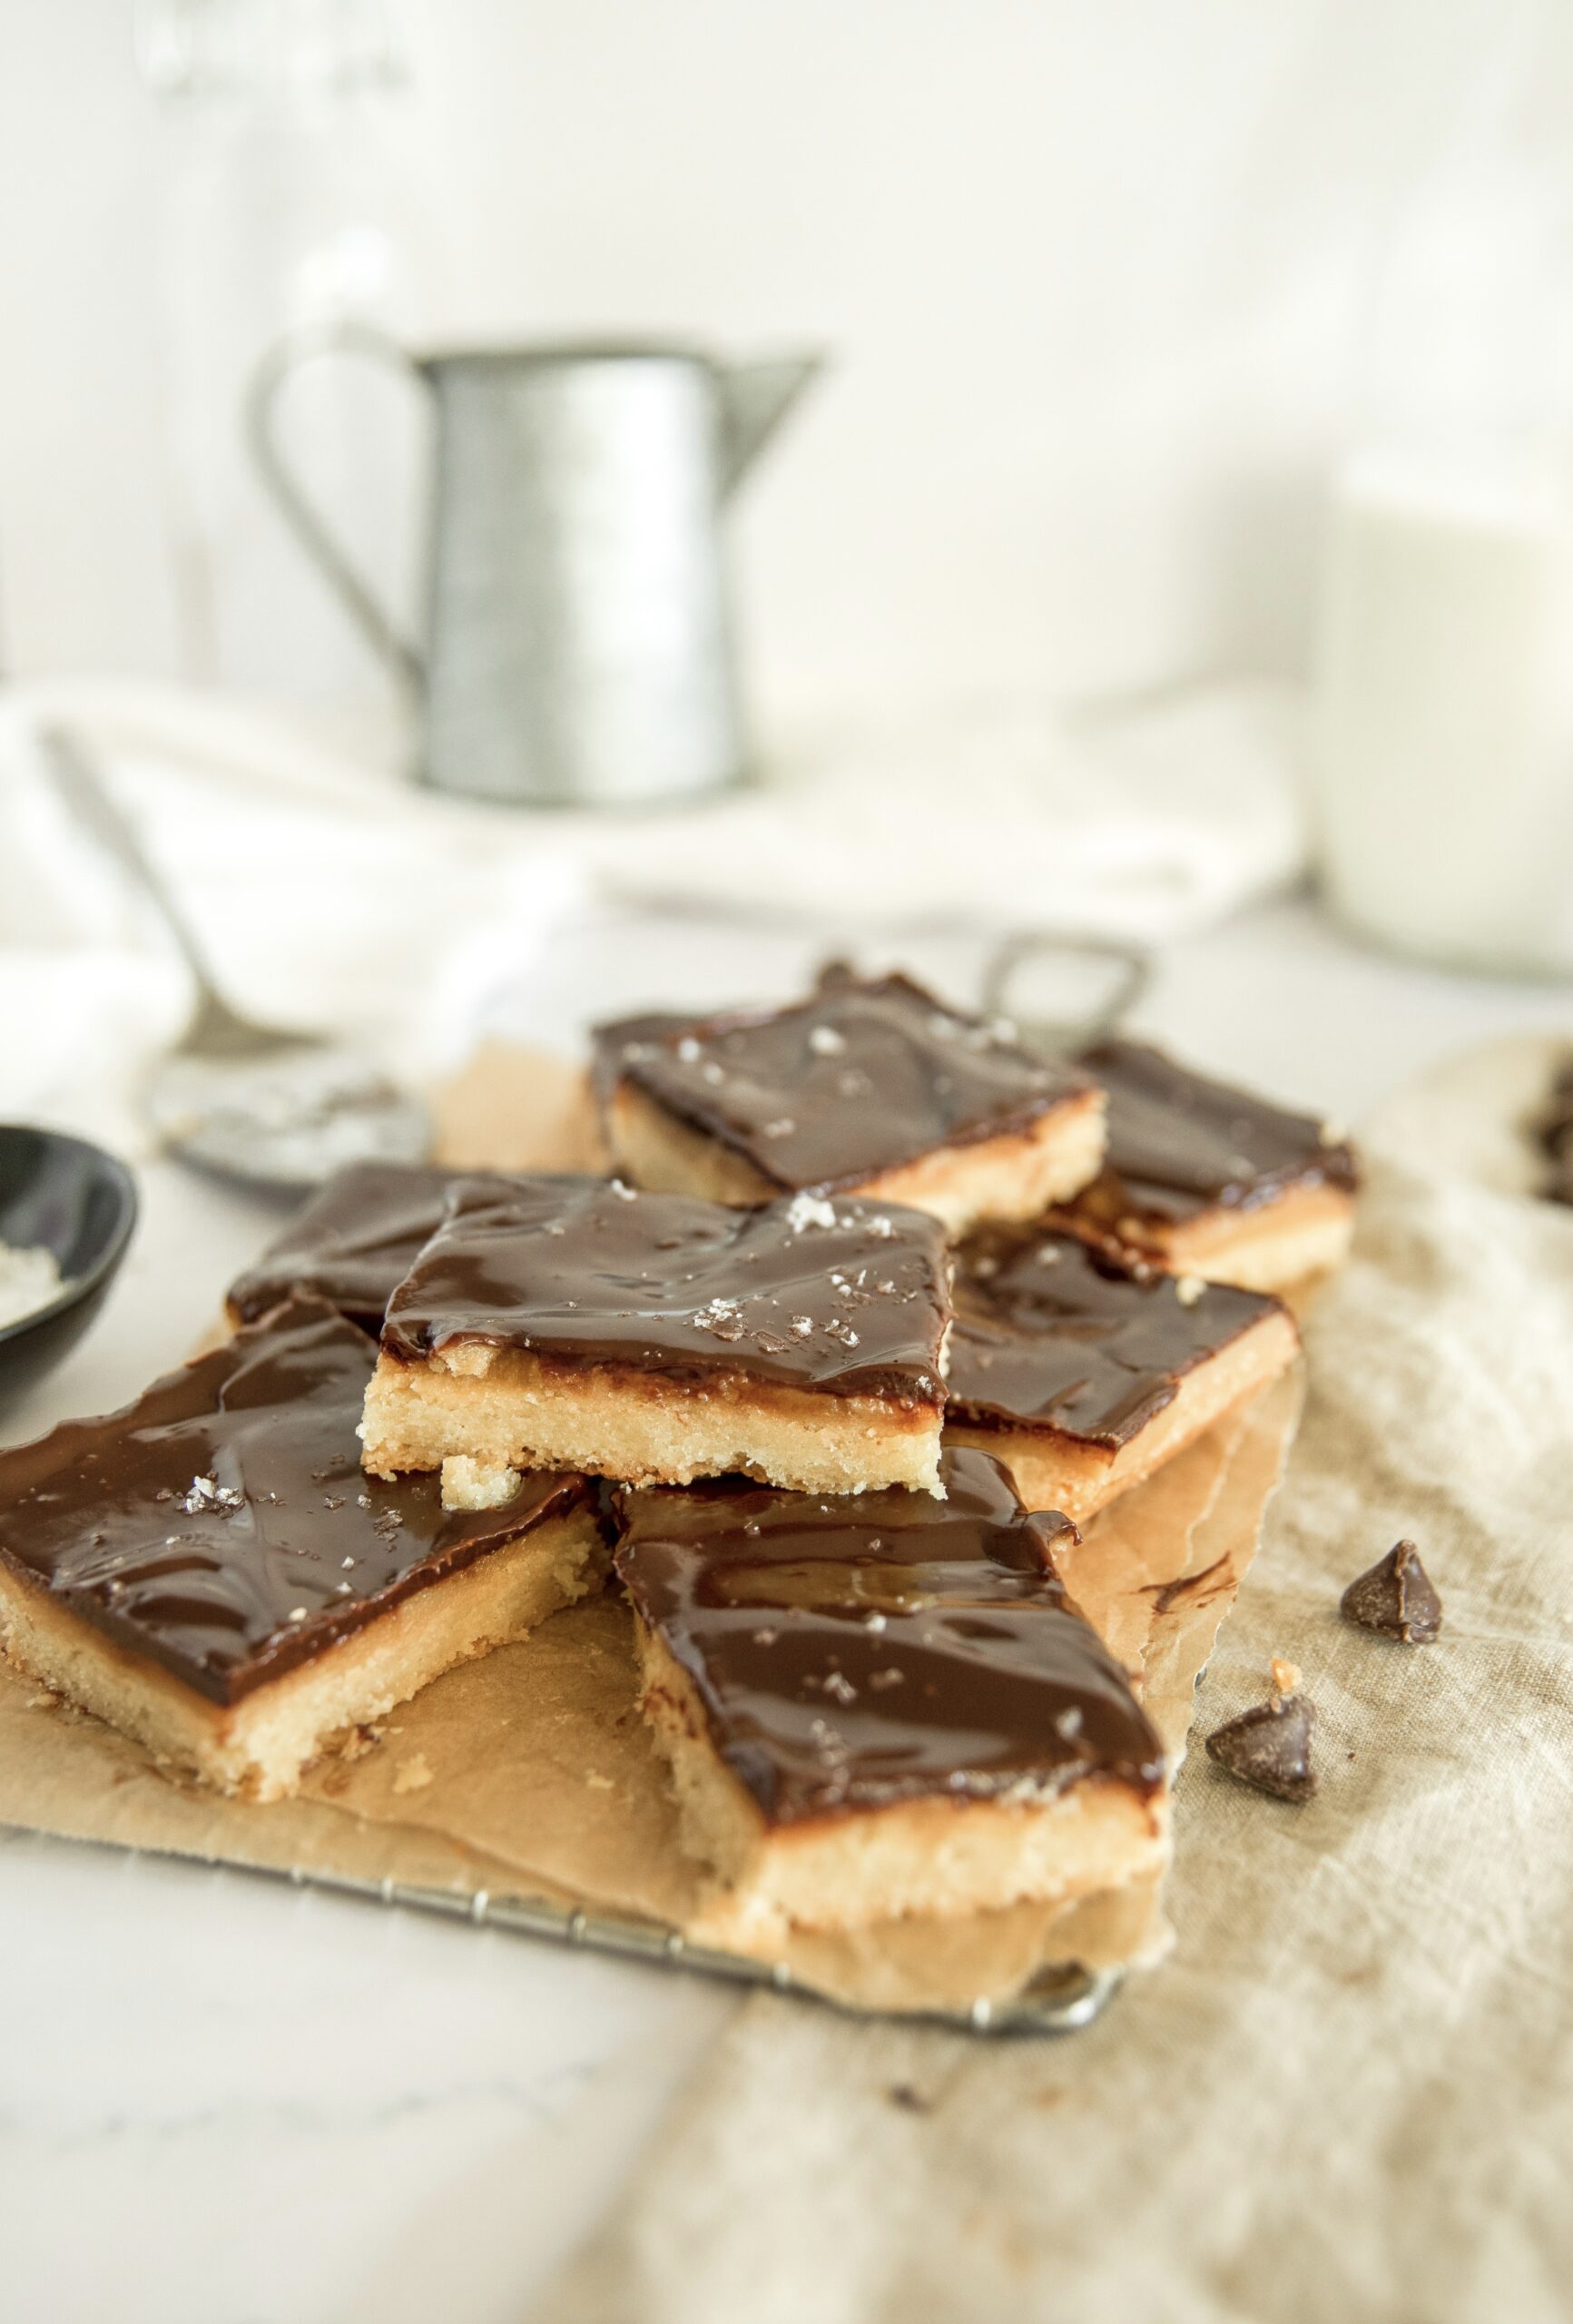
(1015, 1177)
(508, 1408)
(257, 1748)
(940, 1857)
(1052, 1469)
(1306, 1232)
(1302, 1234)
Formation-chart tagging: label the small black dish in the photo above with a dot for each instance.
(80, 1204)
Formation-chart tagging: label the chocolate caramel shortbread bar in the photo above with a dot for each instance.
(1204, 1178)
(210, 1571)
(869, 1087)
(575, 1321)
(1084, 1374)
(882, 1706)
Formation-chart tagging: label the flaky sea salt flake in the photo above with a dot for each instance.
(806, 1210)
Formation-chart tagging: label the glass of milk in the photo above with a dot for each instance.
(1443, 729)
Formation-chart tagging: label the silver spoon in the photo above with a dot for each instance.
(253, 1102)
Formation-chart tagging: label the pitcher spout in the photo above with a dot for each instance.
(755, 398)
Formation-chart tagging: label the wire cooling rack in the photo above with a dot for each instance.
(1057, 2000)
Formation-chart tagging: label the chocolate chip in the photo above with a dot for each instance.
(1269, 1746)
(1558, 1186)
(1553, 1129)
(1556, 1128)
(1395, 1598)
(912, 2102)
(1554, 1123)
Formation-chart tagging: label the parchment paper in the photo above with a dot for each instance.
(530, 1773)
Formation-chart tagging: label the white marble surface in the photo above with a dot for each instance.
(228, 2102)
(225, 2101)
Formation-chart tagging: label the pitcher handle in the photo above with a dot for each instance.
(275, 366)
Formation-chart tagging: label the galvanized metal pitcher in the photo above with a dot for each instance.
(578, 647)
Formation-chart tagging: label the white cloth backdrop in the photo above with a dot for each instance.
(328, 894)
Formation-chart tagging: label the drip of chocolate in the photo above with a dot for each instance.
(352, 1245)
(1269, 1747)
(1396, 1598)
(1180, 1143)
(857, 1080)
(221, 1524)
(1199, 1589)
(846, 1297)
(1055, 1333)
(850, 1653)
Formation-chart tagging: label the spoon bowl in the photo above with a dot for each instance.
(284, 1116)
(78, 1202)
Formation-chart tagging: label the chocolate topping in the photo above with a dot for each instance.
(850, 1653)
(352, 1245)
(857, 1080)
(1180, 1143)
(846, 1297)
(221, 1525)
(1053, 1332)
(1269, 1747)
(1396, 1597)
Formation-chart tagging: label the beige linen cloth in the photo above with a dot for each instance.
(1349, 2092)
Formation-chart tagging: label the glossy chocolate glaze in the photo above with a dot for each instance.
(862, 1078)
(1180, 1143)
(291, 1549)
(848, 1297)
(352, 1245)
(852, 1653)
(1052, 1332)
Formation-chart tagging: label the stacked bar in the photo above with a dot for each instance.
(655, 1338)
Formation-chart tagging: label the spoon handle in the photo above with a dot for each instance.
(83, 788)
